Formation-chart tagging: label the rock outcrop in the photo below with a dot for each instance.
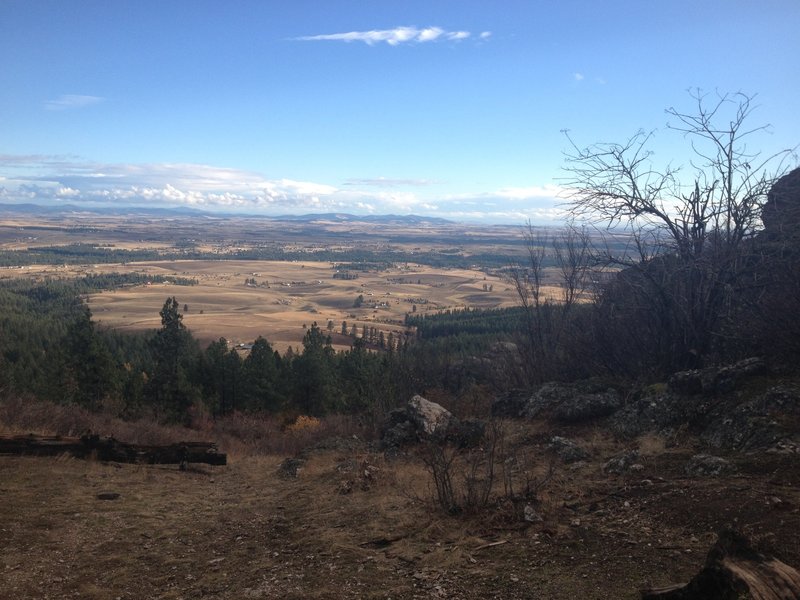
(422, 420)
(563, 402)
(781, 212)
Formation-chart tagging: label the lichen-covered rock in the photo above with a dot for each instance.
(547, 397)
(511, 405)
(291, 467)
(715, 380)
(567, 450)
(567, 402)
(658, 411)
(422, 419)
(430, 418)
(586, 407)
(706, 465)
(760, 423)
(687, 383)
(622, 462)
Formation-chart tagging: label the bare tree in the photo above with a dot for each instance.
(547, 319)
(689, 225)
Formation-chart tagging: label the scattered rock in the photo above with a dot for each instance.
(511, 404)
(565, 402)
(291, 467)
(760, 423)
(548, 396)
(621, 463)
(715, 380)
(706, 465)
(657, 411)
(687, 383)
(567, 450)
(530, 515)
(586, 407)
(398, 431)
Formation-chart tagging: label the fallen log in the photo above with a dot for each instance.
(109, 449)
(734, 568)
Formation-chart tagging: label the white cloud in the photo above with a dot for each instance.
(393, 37)
(67, 192)
(485, 35)
(578, 76)
(55, 179)
(430, 34)
(458, 35)
(72, 101)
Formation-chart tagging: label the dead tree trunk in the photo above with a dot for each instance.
(109, 449)
(734, 568)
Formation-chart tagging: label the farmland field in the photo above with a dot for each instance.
(288, 295)
(241, 299)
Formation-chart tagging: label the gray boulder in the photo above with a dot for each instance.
(764, 422)
(622, 462)
(290, 468)
(706, 465)
(567, 450)
(715, 380)
(511, 405)
(586, 407)
(429, 417)
(546, 398)
(422, 419)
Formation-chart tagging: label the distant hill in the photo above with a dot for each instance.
(71, 209)
(347, 218)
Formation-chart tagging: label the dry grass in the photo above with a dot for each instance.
(288, 296)
(238, 435)
(355, 524)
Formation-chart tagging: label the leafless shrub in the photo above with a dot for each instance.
(469, 481)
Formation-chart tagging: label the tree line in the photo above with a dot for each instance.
(52, 349)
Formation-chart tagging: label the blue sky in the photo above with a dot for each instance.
(445, 108)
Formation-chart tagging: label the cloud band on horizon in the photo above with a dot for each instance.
(58, 179)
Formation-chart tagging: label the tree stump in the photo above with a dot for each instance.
(734, 568)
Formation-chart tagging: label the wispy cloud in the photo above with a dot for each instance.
(578, 76)
(72, 101)
(394, 37)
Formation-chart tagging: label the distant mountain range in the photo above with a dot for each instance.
(345, 218)
(73, 210)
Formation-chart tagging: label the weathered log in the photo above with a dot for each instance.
(734, 568)
(109, 449)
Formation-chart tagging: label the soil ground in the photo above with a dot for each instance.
(245, 531)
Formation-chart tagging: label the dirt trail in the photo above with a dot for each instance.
(243, 531)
